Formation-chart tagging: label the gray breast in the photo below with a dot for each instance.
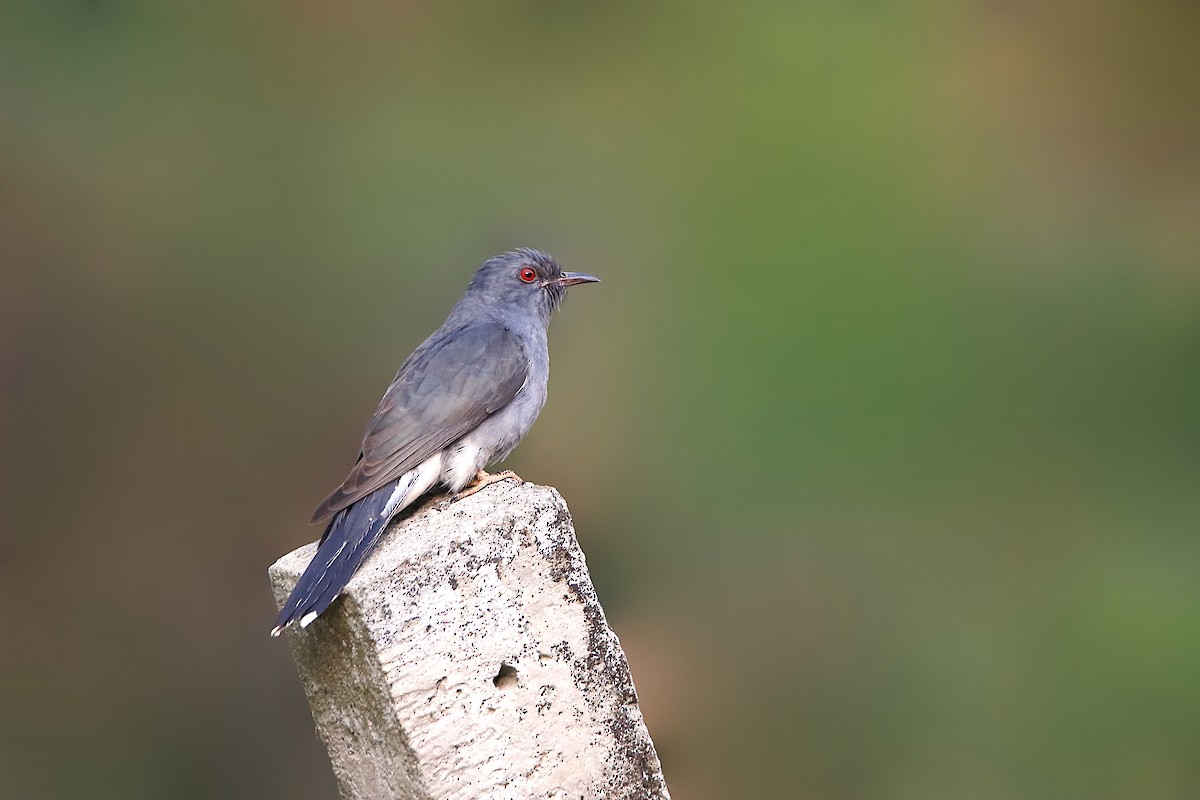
(500, 433)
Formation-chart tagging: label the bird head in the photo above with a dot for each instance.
(524, 280)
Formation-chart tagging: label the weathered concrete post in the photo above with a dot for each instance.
(471, 659)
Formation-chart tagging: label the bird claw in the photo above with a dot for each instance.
(483, 479)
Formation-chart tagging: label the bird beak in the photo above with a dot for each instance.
(572, 278)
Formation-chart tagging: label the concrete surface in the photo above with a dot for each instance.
(470, 658)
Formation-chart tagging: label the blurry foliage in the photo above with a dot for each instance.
(881, 433)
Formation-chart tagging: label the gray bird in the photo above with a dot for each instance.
(460, 402)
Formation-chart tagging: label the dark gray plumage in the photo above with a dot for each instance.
(461, 401)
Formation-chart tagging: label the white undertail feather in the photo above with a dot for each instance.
(462, 462)
(415, 483)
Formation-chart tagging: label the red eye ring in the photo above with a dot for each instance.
(527, 274)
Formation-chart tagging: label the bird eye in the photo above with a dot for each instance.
(527, 274)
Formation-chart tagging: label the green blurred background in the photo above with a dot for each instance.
(882, 434)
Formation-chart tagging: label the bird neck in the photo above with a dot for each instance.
(523, 324)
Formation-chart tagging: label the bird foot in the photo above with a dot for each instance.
(483, 479)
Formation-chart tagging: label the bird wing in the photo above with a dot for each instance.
(443, 391)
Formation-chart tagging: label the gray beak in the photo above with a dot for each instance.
(572, 278)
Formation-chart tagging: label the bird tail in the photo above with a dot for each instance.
(350, 536)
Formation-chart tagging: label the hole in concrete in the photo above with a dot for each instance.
(506, 678)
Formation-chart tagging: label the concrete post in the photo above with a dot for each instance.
(470, 659)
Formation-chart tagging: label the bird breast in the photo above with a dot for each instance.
(497, 435)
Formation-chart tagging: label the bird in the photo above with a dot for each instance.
(459, 403)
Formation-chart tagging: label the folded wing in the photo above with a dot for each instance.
(443, 391)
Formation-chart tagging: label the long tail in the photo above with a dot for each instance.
(348, 539)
